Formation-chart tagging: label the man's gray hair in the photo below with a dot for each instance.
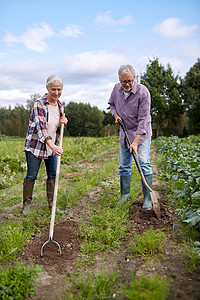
(124, 69)
(53, 78)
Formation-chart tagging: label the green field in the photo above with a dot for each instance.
(118, 256)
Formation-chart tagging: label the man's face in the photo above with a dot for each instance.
(127, 81)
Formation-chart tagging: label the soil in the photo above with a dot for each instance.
(185, 284)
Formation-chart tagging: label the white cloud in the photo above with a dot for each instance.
(173, 28)
(93, 64)
(33, 38)
(88, 77)
(12, 97)
(2, 55)
(71, 31)
(106, 19)
(96, 97)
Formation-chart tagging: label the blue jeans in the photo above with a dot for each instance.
(125, 159)
(33, 166)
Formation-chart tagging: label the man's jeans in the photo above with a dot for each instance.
(126, 158)
(33, 165)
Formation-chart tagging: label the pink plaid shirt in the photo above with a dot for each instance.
(37, 133)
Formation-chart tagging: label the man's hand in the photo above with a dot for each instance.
(134, 145)
(116, 116)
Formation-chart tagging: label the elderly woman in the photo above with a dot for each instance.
(42, 140)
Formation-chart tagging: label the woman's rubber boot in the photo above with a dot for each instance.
(125, 182)
(147, 203)
(27, 195)
(50, 184)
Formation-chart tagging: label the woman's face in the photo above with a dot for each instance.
(54, 91)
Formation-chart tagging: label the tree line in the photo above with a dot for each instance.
(175, 104)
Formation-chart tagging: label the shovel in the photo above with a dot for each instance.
(55, 197)
(155, 203)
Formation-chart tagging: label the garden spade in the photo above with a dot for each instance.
(155, 203)
(51, 231)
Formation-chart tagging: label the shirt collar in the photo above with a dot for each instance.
(47, 102)
(132, 91)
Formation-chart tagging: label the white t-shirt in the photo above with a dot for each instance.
(53, 124)
(126, 95)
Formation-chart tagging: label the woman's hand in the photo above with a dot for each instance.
(63, 120)
(56, 149)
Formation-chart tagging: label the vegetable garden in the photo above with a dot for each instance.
(108, 251)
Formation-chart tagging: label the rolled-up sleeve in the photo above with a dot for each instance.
(41, 122)
(111, 102)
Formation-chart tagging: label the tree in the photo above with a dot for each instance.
(17, 123)
(165, 89)
(83, 120)
(191, 94)
(29, 102)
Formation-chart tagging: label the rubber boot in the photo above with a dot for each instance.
(147, 203)
(27, 195)
(125, 182)
(50, 184)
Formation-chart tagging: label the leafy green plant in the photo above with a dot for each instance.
(9, 166)
(18, 281)
(191, 250)
(146, 288)
(148, 244)
(196, 248)
(181, 161)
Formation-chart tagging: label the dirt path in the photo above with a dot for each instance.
(185, 285)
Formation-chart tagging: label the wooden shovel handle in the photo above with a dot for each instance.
(56, 183)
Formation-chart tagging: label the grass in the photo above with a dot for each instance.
(103, 229)
(148, 244)
(94, 286)
(146, 288)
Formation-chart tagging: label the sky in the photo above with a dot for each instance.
(85, 42)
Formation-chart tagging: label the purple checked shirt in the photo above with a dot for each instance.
(134, 111)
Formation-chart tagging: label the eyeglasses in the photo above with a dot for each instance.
(126, 81)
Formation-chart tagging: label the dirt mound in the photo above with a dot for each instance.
(141, 220)
(65, 233)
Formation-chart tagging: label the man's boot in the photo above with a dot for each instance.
(147, 203)
(27, 195)
(125, 182)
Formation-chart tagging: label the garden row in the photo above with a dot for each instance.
(181, 170)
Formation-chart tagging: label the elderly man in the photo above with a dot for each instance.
(130, 102)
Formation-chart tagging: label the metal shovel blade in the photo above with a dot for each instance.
(156, 205)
